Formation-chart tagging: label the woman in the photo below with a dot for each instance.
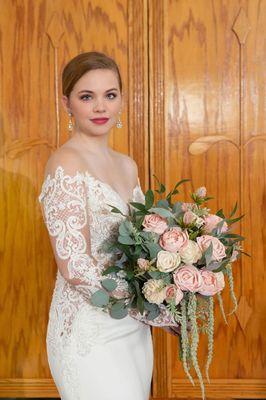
(91, 355)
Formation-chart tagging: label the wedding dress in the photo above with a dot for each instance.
(91, 355)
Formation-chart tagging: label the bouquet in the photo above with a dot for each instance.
(177, 255)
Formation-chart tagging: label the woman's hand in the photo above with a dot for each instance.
(173, 330)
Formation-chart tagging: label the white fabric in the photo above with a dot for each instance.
(91, 355)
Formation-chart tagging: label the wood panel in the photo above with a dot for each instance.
(207, 101)
(37, 39)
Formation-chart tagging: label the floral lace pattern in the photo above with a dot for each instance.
(77, 213)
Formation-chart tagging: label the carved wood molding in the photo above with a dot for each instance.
(221, 388)
(157, 87)
(138, 87)
(157, 119)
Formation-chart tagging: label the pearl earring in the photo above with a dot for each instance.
(70, 124)
(119, 122)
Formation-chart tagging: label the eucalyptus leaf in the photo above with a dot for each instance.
(162, 203)
(153, 314)
(153, 248)
(109, 284)
(100, 298)
(118, 311)
(162, 212)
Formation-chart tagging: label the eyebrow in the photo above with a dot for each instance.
(90, 91)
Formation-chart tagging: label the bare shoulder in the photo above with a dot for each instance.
(67, 158)
(128, 165)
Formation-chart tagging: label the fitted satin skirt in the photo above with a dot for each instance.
(102, 358)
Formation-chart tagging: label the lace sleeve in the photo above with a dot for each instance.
(165, 318)
(64, 208)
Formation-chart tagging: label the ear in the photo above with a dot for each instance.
(65, 103)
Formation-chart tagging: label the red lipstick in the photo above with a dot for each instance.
(100, 121)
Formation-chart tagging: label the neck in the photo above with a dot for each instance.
(94, 144)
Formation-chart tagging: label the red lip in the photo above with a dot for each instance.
(100, 121)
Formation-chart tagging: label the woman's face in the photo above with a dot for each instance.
(95, 95)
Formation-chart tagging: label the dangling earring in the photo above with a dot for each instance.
(70, 124)
(119, 122)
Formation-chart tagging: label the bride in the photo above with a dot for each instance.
(91, 355)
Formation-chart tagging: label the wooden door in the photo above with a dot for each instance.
(37, 39)
(207, 123)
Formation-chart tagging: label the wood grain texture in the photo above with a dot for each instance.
(214, 133)
(36, 40)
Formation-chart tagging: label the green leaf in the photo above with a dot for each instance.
(162, 203)
(118, 310)
(232, 221)
(125, 228)
(138, 206)
(100, 298)
(161, 211)
(153, 248)
(150, 306)
(149, 199)
(162, 187)
(155, 274)
(233, 211)
(208, 254)
(153, 314)
(234, 235)
(220, 213)
(126, 240)
(140, 304)
(115, 210)
(112, 268)
(109, 284)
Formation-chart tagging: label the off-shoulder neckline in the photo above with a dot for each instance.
(103, 183)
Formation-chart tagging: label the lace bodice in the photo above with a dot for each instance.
(76, 209)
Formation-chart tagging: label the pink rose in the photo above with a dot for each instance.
(143, 264)
(189, 217)
(188, 278)
(154, 223)
(218, 252)
(187, 206)
(211, 221)
(212, 282)
(173, 292)
(174, 239)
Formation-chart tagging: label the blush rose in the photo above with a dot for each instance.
(204, 242)
(188, 278)
(174, 239)
(154, 223)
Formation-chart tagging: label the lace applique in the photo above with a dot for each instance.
(77, 213)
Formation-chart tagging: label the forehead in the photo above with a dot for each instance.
(97, 80)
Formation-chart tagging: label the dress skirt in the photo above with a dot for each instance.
(102, 358)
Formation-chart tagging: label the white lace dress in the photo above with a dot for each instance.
(91, 355)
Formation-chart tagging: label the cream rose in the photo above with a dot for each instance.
(204, 242)
(167, 261)
(155, 223)
(174, 239)
(188, 278)
(211, 221)
(213, 282)
(154, 291)
(173, 292)
(143, 264)
(191, 253)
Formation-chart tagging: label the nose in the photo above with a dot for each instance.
(99, 106)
